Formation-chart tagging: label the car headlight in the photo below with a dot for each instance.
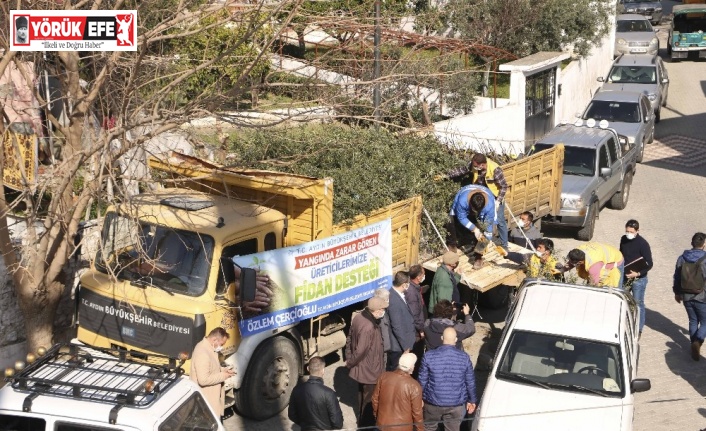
(621, 42)
(630, 10)
(658, 9)
(631, 140)
(652, 97)
(654, 41)
(572, 202)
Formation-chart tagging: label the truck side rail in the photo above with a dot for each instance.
(535, 183)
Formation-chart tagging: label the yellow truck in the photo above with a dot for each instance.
(257, 253)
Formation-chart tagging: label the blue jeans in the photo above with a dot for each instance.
(638, 292)
(697, 320)
(502, 225)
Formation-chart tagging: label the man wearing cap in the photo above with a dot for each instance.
(21, 25)
(364, 356)
(600, 264)
(397, 400)
(448, 384)
(445, 282)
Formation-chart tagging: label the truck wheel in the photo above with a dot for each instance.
(620, 200)
(586, 232)
(269, 380)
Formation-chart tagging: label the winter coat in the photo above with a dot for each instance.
(364, 349)
(443, 288)
(434, 329)
(397, 402)
(207, 372)
(690, 256)
(415, 302)
(313, 406)
(447, 379)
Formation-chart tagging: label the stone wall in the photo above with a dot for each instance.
(12, 331)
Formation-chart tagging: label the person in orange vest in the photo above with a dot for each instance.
(601, 264)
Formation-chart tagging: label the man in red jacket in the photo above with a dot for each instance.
(365, 355)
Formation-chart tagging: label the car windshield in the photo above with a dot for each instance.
(633, 25)
(621, 112)
(633, 75)
(150, 255)
(563, 363)
(577, 160)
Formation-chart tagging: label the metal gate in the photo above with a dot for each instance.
(539, 105)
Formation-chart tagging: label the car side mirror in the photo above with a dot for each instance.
(577, 115)
(605, 172)
(248, 284)
(665, 80)
(656, 30)
(600, 79)
(640, 385)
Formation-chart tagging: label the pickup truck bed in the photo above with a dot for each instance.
(496, 271)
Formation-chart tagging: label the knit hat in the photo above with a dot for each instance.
(21, 22)
(407, 361)
(375, 303)
(449, 258)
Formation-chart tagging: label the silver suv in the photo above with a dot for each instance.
(640, 73)
(628, 112)
(651, 9)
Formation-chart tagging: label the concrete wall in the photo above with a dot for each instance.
(579, 81)
(501, 129)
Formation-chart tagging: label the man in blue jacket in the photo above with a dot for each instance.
(689, 284)
(448, 384)
(473, 211)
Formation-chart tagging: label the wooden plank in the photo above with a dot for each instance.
(496, 270)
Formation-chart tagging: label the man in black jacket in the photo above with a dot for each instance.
(634, 247)
(314, 406)
(402, 332)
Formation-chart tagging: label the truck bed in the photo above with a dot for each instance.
(496, 271)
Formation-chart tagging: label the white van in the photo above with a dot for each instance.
(567, 360)
(75, 388)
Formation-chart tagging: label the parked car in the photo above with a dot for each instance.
(73, 387)
(628, 112)
(642, 74)
(635, 35)
(567, 360)
(598, 169)
(686, 31)
(650, 9)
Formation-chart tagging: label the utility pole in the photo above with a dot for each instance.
(376, 66)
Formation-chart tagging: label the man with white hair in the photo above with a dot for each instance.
(397, 400)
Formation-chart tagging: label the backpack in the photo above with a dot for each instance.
(692, 278)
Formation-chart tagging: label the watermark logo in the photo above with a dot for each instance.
(78, 30)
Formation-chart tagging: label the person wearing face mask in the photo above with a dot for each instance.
(206, 369)
(525, 225)
(634, 247)
(542, 264)
(364, 356)
(415, 301)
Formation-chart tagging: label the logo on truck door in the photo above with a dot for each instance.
(321, 276)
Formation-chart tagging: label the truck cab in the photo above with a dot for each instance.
(599, 166)
(686, 31)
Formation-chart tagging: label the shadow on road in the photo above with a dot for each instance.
(678, 354)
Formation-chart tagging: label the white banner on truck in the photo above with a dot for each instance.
(321, 276)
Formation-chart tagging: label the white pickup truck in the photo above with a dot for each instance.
(75, 388)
